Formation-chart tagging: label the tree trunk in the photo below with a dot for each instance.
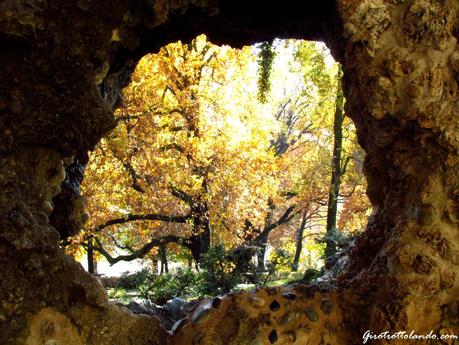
(154, 265)
(299, 242)
(199, 243)
(163, 256)
(337, 172)
(90, 254)
(262, 243)
(261, 258)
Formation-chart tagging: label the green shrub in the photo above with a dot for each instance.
(183, 283)
(311, 275)
(220, 270)
(118, 294)
(134, 280)
(281, 260)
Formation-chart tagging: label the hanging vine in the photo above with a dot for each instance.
(265, 61)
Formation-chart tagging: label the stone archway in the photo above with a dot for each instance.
(62, 66)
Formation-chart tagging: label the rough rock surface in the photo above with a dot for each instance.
(295, 315)
(404, 269)
(62, 66)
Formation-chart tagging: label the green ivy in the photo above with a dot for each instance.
(265, 61)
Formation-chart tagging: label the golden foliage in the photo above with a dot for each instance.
(191, 126)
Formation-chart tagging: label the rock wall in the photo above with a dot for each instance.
(63, 64)
(405, 106)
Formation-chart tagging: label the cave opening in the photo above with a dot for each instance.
(241, 160)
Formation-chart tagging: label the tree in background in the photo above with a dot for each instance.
(330, 138)
(197, 160)
(189, 159)
(346, 156)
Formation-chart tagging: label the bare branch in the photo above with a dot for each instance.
(285, 218)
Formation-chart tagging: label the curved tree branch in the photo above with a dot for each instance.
(139, 253)
(147, 216)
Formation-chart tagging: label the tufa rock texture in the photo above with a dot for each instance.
(296, 315)
(63, 64)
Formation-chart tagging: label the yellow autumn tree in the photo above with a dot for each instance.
(189, 159)
(196, 159)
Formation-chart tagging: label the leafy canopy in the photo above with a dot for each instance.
(196, 150)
